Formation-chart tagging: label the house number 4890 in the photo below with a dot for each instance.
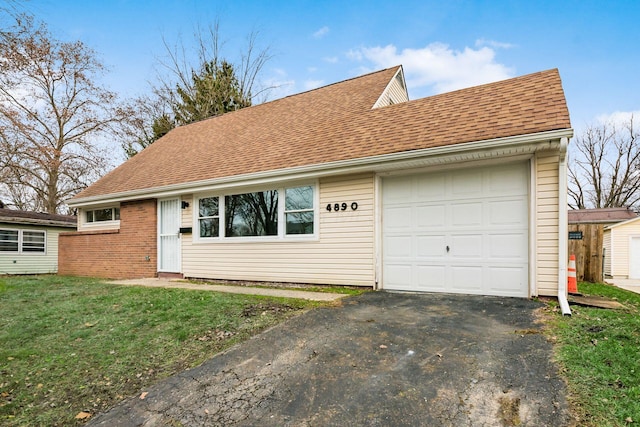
(341, 206)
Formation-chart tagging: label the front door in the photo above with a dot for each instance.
(169, 235)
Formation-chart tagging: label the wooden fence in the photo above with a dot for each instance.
(588, 251)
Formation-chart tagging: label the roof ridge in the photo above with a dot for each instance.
(484, 85)
(268, 103)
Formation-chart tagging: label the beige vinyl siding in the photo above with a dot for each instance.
(620, 240)
(20, 263)
(546, 188)
(606, 244)
(343, 253)
(395, 93)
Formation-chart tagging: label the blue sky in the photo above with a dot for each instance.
(443, 45)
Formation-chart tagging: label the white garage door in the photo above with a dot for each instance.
(459, 231)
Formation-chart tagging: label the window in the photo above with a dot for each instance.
(209, 217)
(22, 241)
(298, 210)
(251, 214)
(100, 215)
(9, 241)
(33, 241)
(258, 214)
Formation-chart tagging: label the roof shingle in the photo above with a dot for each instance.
(337, 122)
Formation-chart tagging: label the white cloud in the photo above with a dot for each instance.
(494, 44)
(312, 84)
(437, 65)
(279, 84)
(354, 55)
(619, 118)
(321, 32)
(330, 59)
(312, 69)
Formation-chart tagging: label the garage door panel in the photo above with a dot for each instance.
(507, 280)
(508, 212)
(466, 183)
(398, 247)
(399, 276)
(466, 246)
(466, 279)
(396, 189)
(431, 216)
(430, 187)
(431, 278)
(398, 218)
(507, 181)
(432, 246)
(507, 246)
(466, 214)
(480, 214)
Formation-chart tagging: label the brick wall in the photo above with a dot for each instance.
(127, 253)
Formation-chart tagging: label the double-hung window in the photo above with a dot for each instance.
(275, 213)
(298, 210)
(209, 217)
(9, 240)
(23, 241)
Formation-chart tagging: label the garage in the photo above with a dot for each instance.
(457, 231)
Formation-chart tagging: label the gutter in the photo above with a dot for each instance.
(563, 245)
(331, 168)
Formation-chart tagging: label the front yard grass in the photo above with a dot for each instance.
(599, 350)
(71, 345)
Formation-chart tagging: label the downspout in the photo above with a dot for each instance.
(563, 245)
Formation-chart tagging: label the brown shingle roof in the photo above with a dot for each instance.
(12, 216)
(606, 215)
(335, 123)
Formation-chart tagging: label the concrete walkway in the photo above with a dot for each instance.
(632, 285)
(246, 290)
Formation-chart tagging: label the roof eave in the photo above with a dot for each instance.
(35, 221)
(321, 169)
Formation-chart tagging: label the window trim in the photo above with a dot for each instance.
(21, 250)
(219, 217)
(281, 236)
(112, 223)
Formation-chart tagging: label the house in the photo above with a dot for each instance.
(348, 184)
(586, 237)
(29, 241)
(622, 243)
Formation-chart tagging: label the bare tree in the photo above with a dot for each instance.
(52, 112)
(604, 167)
(212, 81)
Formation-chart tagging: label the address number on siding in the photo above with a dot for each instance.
(341, 206)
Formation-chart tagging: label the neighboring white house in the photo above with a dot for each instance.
(622, 244)
(348, 184)
(29, 241)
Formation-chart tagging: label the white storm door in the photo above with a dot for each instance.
(634, 258)
(169, 235)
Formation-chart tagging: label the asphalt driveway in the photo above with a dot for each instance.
(381, 359)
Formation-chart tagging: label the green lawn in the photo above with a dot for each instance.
(599, 350)
(73, 344)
